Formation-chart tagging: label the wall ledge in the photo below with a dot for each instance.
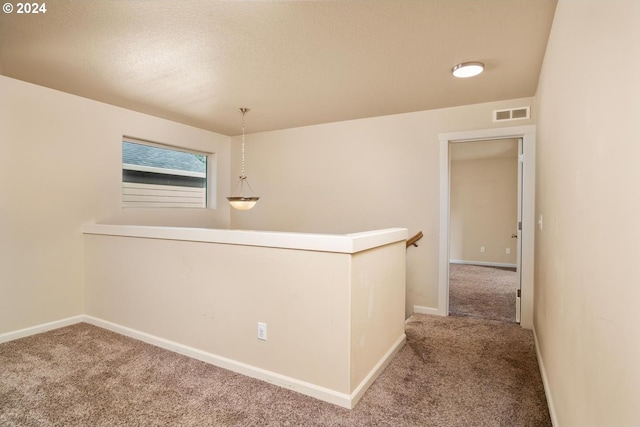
(340, 243)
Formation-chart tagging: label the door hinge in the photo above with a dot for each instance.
(518, 293)
(519, 225)
(521, 158)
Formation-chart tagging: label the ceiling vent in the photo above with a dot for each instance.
(519, 113)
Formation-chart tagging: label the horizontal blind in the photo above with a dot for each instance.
(162, 196)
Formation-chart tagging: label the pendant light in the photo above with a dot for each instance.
(239, 199)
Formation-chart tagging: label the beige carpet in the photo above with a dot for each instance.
(485, 292)
(454, 371)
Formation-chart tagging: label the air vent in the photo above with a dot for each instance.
(502, 115)
(519, 113)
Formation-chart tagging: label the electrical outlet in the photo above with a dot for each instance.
(508, 251)
(482, 249)
(262, 331)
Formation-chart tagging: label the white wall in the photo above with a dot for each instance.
(484, 210)
(360, 175)
(588, 191)
(60, 167)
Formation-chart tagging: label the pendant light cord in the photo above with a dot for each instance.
(238, 199)
(242, 175)
(244, 111)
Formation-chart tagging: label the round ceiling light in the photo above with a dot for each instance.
(467, 69)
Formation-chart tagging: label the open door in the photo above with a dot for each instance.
(518, 234)
(526, 232)
(484, 211)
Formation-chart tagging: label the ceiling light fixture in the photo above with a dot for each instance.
(239, 199)
(467, 69)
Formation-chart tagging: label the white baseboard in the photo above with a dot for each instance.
(376, 371)
(308, 389)
(483, 263)
(38, 329)
(341, 399)
(427, 310)
(545, 381)
(328, 395)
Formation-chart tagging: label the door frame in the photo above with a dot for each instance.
(519, 230)
(528, 135)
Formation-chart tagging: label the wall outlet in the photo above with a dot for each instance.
(508, 251)
(482, 249)
(262, 331)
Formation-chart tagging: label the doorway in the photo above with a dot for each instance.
(484, 200)
(526, 224)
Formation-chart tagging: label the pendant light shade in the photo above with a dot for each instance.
(243, 203)
(243, 198)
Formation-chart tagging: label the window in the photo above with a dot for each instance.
(156, 176)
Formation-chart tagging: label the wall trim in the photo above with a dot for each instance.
(38, 329)
(339, 243)
(325, 394)
(427, 310)
(309, 389)
(376, 371)
(545, 380)
(482, 263)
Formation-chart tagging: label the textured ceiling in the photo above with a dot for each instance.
(293, 63)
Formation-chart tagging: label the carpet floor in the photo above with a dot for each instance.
(485, 292)
(454, 371)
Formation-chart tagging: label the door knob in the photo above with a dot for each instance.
(514, 236)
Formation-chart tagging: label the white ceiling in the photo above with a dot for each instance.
(293, 63)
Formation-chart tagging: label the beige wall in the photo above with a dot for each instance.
(377, 308)
(483, 209)
(360, 175)
(60, 158)
(588, 191)
(203, 295)
(331, 317)
(345, 177)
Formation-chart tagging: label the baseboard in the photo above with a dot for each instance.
(331, 396)
(483, 263)
(545, 381)
(312, 390)
(427, 310)
(376, 371)
(38, 329)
